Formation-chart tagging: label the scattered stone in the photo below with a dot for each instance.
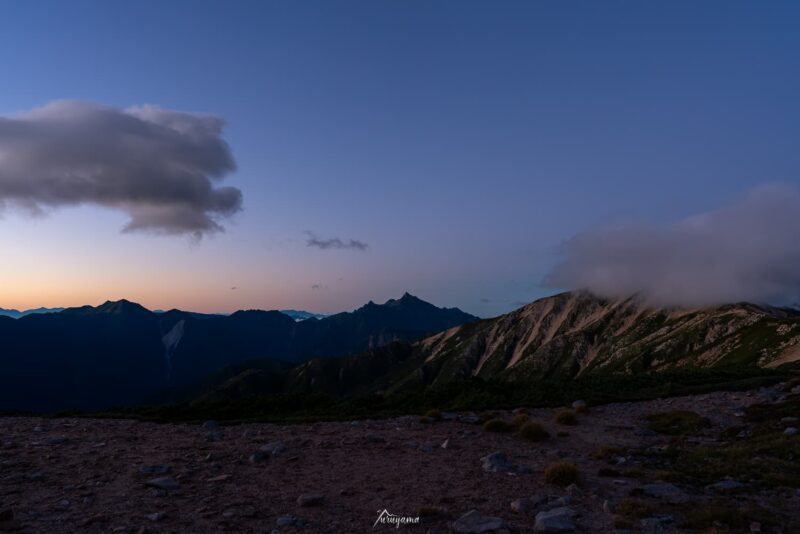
(164, 483)
(374, 438)
(608, 507)
(789, 419)
(474, 523)
(555, 520)
(446, 444)
(258, 457)
(497, 462)
(157, 516)
(290, 521)
(657, 523)
(469, 419)
(311, 500)
(579, 405)
(572, 491)
(273, 447)
(214, 436)
(63, 504)
(210, 425)
(449, 416)
(725, 486)
(57, 440)
(159, 469)
(664, 491)
(219, 478)
(523, 506)
(790, 431)
(426, 447)
(558, 503)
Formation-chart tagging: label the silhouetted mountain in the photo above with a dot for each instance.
(16, 314)
(120, 352)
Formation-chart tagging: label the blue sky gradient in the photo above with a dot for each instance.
(463, 141)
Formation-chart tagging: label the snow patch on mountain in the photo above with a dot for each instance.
(171, 340)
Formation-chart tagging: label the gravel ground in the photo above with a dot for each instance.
(86, 475)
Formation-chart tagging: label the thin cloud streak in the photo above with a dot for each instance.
(314, 241)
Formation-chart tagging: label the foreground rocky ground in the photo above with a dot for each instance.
(633, 474)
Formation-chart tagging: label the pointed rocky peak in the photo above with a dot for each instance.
(406, 300)
(122, 307)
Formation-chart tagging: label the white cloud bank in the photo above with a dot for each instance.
(747, 251)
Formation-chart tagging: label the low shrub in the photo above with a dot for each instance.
(608, 472)
(497, 425)
(520, 420)
(634, 509)
(532, 431)
(606, 452)
(434, 414)
(677, 422)
(562, 474)
(566, 417)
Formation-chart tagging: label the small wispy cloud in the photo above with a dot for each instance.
(312, 240)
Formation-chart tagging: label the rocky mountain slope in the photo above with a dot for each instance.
(565, 336)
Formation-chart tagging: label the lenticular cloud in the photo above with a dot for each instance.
(158, 166)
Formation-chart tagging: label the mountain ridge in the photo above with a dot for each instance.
(120, 352)
(567, 336)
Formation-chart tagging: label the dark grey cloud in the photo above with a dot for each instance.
(484, 300)
(313, 240)
(747, 251)
(158, 166)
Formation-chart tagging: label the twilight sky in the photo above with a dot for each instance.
(472, 153)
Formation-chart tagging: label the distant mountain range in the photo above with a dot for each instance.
(119, 353)
(300, 315)
(16, 314)
(297, 315)
(555, 338)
